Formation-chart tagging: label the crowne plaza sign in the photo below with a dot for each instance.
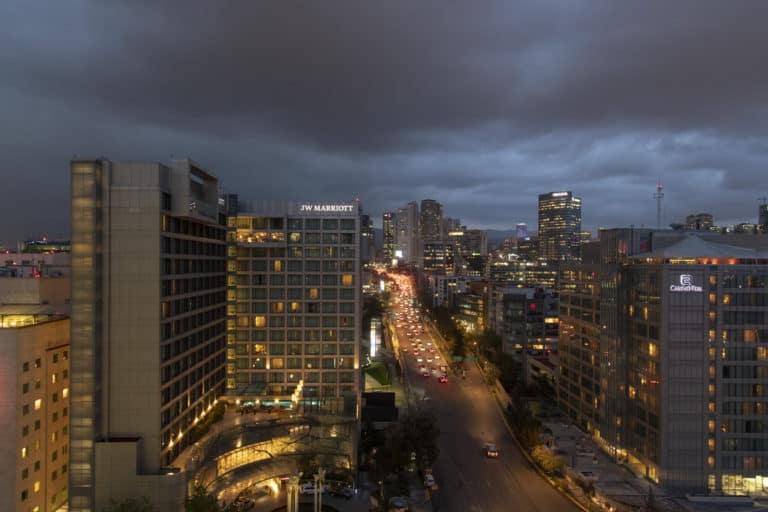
(686, 284)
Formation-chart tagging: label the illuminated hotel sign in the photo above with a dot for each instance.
(326, 208)
(559, 194)
(686, 285)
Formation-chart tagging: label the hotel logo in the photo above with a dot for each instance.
(686, 285)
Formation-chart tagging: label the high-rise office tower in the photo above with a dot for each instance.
(431, 219)
(148, 325)
(296, 283)
(521, 230)
(367, 239)
(559, 223)
(407, 233)
(389, 232)
(450, 224)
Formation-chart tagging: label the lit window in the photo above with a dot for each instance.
(36, 487)
(24, 453)
(65, 392)
(38, 404)
(652, 349)
(313, 293)
(278, 265)
(259, 321)
(346, 280)
(53, 378)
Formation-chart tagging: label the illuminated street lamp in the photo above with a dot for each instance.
(292, 496)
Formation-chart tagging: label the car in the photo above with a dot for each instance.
(425, 373)
(443, 368)
(341, 492)
(491, 451)
(419, 359)
(309, 488)
(429, 480)
(405, 349)
(421, 367)
(443, 379)
(429, 359)
(433, 370)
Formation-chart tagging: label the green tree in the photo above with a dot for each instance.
(141, 504)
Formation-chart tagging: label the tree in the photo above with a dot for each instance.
(204, 501)
(548, 461)
(141, 504)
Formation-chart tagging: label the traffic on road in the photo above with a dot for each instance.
(480, 467)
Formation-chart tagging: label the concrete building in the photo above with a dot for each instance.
(528, 248)
(389, 236)
(450, 224)
(148, 334)
(438, 256)
(431, 223)
(367, 240)
(679, 390)
(26, 264)
(34, 407)
(521, 230)
(699, 222)
(559, 225)
(407, 234)
(295, 282)
(762, 218)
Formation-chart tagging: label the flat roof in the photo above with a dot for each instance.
(23, 315)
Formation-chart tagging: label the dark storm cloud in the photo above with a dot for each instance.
(481, 105)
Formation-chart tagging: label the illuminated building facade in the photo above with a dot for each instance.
(148, 325)
(438, 256)
(389, 236)
(680, 388)
(559, 225)
(294, 291)
(34, 408)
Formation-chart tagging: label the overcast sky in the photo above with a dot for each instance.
(480, 105)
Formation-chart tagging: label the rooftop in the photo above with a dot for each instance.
(693, 246)
(16, 316)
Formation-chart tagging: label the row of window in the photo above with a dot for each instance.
(244, 294)
(300, 307)
(192, 228)
(278, 223)
(293, 349)
(294, 251)
(308, 265)
(296, 335)
(294, 280)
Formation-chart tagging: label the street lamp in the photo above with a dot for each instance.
(319, 482)
(292, 496)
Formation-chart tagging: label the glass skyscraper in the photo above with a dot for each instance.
(559, 225)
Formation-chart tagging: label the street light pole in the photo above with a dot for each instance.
(292, 496)
(319, 482)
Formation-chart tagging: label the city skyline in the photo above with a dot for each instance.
(480, 109)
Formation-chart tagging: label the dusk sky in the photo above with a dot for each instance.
(480, 105)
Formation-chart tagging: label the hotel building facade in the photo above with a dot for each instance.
(664, 357)
(294, 305)
(148, 325)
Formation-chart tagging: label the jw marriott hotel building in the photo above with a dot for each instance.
(293, 290)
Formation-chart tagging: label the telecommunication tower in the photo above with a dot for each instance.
(658, 196)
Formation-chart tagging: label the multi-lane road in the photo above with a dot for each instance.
(469, 417)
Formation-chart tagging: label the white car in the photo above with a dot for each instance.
(429, 480)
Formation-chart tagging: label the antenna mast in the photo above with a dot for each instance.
(658, 196)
